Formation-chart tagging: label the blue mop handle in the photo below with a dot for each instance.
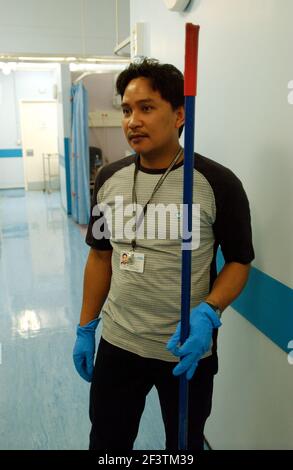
(190, 84)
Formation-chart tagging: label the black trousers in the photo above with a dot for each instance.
(121, 382)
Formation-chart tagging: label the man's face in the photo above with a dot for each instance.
(149, 122)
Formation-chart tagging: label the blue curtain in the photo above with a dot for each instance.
(79, 162)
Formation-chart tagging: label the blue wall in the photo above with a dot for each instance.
(267, 304)
(10, 153)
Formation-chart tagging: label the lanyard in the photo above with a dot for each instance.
(158, 185)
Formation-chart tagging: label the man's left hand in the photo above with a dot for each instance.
(203, 319)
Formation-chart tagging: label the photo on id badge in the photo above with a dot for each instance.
(132, 261)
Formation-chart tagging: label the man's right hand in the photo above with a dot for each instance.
(84, 349)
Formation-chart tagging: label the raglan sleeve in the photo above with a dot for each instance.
(97, 235)
(233, 222)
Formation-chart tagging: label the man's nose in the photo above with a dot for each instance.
(134, 121)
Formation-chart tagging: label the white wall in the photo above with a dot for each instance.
(8, 112)
(11, 173)
(252, 406)
(123, 10)
(77, 27)
(11, 169)
(244, 121)
(15, 87)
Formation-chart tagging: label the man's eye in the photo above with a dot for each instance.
(126, 111)
(147, 108)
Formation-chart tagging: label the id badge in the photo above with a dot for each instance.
(132, 261)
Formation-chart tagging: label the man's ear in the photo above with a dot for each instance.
(180, 117)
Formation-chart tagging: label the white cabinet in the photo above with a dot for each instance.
(105, 118)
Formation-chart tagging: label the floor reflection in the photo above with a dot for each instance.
(43, 401)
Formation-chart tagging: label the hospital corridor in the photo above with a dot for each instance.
(146, 260)
(43, 402)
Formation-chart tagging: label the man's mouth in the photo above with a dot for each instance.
(134, 137)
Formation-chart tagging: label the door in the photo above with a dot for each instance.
(39, 138)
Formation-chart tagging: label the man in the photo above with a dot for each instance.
(124, 258)
(139, 347)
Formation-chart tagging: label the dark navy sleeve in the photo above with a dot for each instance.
(91, 240)
(232, 227)
(105, 173)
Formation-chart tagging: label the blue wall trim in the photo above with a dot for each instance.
(10, 153)
(67, 173)
(267, 304)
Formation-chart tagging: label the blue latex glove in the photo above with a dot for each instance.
(84, 349)
(202, 321)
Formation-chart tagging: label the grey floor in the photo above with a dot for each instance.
(43, 402)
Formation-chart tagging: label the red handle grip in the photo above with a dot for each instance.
(191, 58)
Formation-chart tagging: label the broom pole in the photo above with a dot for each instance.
(190, 85)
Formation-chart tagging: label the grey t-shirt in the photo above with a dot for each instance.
(142, 309)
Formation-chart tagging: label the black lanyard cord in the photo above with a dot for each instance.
(158, 185)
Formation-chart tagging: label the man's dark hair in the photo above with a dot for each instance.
(164, 78)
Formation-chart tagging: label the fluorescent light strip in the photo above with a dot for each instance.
(95, 60)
